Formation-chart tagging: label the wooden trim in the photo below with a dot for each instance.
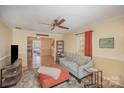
(79, 33)
(83, 32)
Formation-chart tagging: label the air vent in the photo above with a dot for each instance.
(18, 27)
(42, 34)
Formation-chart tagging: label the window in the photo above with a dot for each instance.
(80, 43)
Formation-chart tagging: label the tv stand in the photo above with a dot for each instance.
(11, 74)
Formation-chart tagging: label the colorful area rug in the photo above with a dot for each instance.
(30, 80)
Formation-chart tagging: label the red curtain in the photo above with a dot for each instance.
(88, 44)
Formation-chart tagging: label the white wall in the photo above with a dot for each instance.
(5, 43)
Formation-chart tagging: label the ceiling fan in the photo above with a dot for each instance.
(56, 23)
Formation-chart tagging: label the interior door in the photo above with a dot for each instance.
(47, 51)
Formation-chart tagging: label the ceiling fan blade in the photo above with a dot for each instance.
(63, 27)
(56, 20)
(60, 22)
(53, 28)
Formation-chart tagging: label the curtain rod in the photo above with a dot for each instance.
(79, 33)
(83, 32)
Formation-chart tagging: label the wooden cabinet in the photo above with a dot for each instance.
(59, 49)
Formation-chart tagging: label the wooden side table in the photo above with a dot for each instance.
(96, 79)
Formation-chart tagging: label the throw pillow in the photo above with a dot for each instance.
(69, 57)
(75, 57)
(82, 60)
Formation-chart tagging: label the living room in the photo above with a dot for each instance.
(103, 22)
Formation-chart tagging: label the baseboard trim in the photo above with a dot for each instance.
(4, 57)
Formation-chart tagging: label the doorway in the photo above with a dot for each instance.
(40, 51)
(36, 49)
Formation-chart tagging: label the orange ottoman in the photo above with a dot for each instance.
(47, 81)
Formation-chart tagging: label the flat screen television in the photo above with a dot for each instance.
(14, 53)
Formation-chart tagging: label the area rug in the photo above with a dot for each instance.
(30, 80)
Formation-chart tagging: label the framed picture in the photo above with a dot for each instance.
(106, 42)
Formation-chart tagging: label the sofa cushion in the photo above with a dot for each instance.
(83, 60)
(66, 62)
(73, 66)
(75, 57)
(69, 57)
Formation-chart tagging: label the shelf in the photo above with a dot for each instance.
(11, 81)
(11, 73)
(10, 76)
(59, 48)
